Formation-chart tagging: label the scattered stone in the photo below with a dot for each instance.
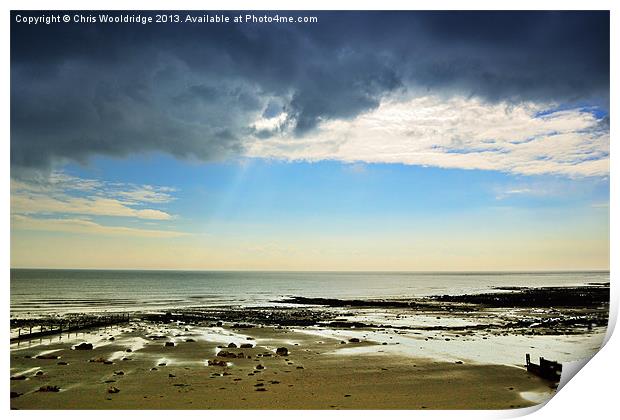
(347, 395)
(190, 340)
(49, 388)
(39, 373)
(354, 340)
(83, 346)
(282, 351)
(126, 358)
(231, 355)
(162, 364)
(216, 363)
(458, 362)
(119, 372)
(260, 367)
(129, 350)
(111, 338)
(172, 375)
(261, 389)
(169, 344)
(47, 357)
(246, 346)
(232, 346)
(18, 378)
(113, 390)
(108, 362)
(15, 394)
(300, 367)
(153, 368)
(343, 342)
(62, 363)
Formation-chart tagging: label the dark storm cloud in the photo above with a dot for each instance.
(193, 90)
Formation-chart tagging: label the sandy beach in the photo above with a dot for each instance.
(145, 365)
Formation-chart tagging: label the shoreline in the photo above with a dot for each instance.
(138, 369)
(341, 354)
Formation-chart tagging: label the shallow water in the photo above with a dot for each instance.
(63, 291)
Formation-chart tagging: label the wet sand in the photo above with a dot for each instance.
(316, 374)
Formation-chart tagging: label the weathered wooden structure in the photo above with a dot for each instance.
(546, 369)
(29, 329)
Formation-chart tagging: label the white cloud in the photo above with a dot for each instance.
(84, 226)
(464, 133)
(66, 203)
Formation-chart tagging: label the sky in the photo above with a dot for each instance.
(456, 141)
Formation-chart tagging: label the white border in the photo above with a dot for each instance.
(591, 395)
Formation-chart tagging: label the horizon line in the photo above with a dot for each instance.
(585, 270)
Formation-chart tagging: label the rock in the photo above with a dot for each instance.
(39, 373)
(232, 346)
(354, 340)
(260, 367)
(261, 389)
(47, 357)
(108, 362)
(15, 394)
(63, 363)
(227, 354)
(113, 390)
(172, 375)
(162, 364)
(282, 351)
(216, 363)
(343, 342)
(153, 368)
(246, 346)
(18, 378)
(119, 372)
(49, 388)
(190, 340)
(128, 350)
(219, 324)
(169, 344)
(300, 367)
(83, 346)
(458, 362)
(111, 339)
(124, 359)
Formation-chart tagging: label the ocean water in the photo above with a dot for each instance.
(41, 291)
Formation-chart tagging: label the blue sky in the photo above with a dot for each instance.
(476, 146)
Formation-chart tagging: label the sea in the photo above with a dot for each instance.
(45, 291)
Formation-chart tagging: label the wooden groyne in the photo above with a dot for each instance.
(546, 369)
(28, 329)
